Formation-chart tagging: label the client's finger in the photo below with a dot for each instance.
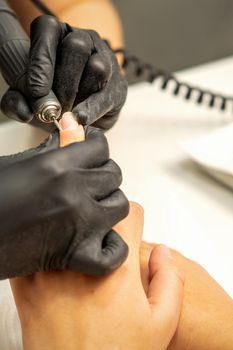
(165, 293)
(70, 130)
(131, 229)
(145, 252)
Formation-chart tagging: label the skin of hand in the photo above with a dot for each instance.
(58, 207)
(206, 320)
(70, 311)
(80, 68)
(100, 15)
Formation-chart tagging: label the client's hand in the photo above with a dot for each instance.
(68, 310)
(206, 321)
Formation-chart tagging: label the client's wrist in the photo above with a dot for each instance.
(48, 333)
(45, 316)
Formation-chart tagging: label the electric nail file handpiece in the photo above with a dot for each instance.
(14, 51)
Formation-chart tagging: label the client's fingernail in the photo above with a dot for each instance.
(68, 121)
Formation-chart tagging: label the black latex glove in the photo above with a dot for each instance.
(80, 68)
(58, 207)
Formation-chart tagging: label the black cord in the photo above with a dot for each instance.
(42, 7)
(150, 73)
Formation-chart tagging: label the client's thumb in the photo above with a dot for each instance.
(131, 229)
(165, 293)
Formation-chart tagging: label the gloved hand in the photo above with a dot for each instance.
(80, 68)
(58, 207)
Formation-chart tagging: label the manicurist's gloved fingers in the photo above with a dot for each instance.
(97, 73)
(105, 180)
(46, 33)
(99, 68)
(74, 52)
(165, 293)
(79, 67)
(114, 208)
(113, 252)
(102, 252)
(103, 106)
(59, 201)
(88, 154)
(101, 103)
(109, 249)
(15, 106)
(99, 258)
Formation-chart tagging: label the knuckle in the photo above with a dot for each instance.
(66, 193)
(115, 256)
(123, 90)
(125, 250)
(37, 90)
(101, 144)
(117, 206)
(91, 260)
(178, 274)
(105, 123)
(6, 103)
(124, 84)
(37, 79)
(101, 67)
(103, 268)
(102, 141)
(51, 166)
(115, 172)
(94, 34)
(63, 181)
(79, 41)
(14, 106)
(44, 21)
(123, 204)
(69, 202)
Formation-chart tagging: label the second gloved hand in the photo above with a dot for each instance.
(80, 68)
(58, 207)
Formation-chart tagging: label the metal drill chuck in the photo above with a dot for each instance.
(49, 111)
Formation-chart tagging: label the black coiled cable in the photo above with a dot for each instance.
(42, 7)
(150, 73)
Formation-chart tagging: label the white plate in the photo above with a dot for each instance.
(214, 153)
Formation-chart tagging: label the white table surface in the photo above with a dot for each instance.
(184, 207)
